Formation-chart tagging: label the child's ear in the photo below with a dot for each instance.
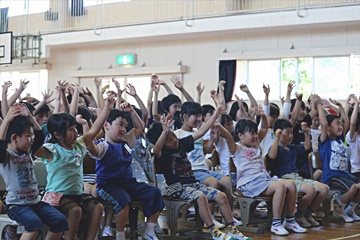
(57, 135)
(185, 117)
(13, 138)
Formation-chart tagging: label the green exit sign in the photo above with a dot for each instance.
(126, 59)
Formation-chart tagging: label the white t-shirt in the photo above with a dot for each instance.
(196, 156)
(315, 133)
(267, 142)
(355, 151)
(224, 154)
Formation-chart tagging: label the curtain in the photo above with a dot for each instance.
(227, 72)
(3, 19)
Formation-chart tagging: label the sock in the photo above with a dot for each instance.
(232, 228)
(120, 235)
(214, 231)
(276, 222)
(289, 218)
(351, 207)
(299, 214)
(149, 230)
(308, 213)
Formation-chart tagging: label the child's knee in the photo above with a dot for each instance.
(201, 200)
(221, 198)
(75, 212)
(212, 182)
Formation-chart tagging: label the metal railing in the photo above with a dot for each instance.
(75, 15)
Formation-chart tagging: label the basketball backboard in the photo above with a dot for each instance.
(5, 48)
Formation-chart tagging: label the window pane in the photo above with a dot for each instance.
(355, 75)
(266, 72)
(288, 69)
(305, 77)
(331, 77)
(16, 8)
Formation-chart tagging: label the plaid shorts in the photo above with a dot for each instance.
(192, 191)
(298, 180)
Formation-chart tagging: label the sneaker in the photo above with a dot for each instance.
(157, 229)
(223, 236)
(262, 204)
(150, 236)
(351, 213)
(141, 230)
(10, 233)
(216, 222)
(258, 214)
(279, 230)
(302, 222)
(107, 232)
(312, 221)
(339, 212)
(239, 236)
(294, 226)
(237, 222)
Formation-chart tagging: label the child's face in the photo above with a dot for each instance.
(302, 114)
(286, 136)
(70, 135)
(315, 123)
(42, 118)
(336, 128)
(171, 141)
(23, 143)
(207, 116)
(229, 126)
(174, 108)
(192, 121)
(249, 139)
(116, 131)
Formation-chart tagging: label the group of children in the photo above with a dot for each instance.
(269, 153)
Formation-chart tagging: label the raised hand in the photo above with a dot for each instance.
(24, 110)
(156, 87)
(260, 111)
(278, 133)
(23, 84)
(117, 85)
(305, 127)
(126, 107)
(6, 86)
(291, 85)
(333, 101)
(244, 88)
(97, 82)
(221, 85)
(14, 110)
(132, 90)
(110, 101)
(325, 103)
(80, 120)
(47, 96)
(199, 89)
(166, 122)
(266, 89)
(299, 96)
(177, 82)
(212, 94)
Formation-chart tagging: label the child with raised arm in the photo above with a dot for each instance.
(171, 160)
(17, 169)
(281, 160)
(63, 158)
(191, 115)
(335, 167)
(353, 139)
(253, 179)
(115, 180)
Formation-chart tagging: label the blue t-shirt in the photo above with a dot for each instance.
(334, 161)
(285, 161)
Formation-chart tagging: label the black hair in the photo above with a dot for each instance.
(330, 118)
(129, 120)
(235, 107)
(86, 114)
(169, 100)
(44, 109)
(245, 125)
(59, 122)
(225, 118)
(207, 108)
(190, 108)
(17, 126)
(274, 110)
(116, 113)
(160, 109)
(154, 132)
(293, 101)
(30, 107)
(282, 124)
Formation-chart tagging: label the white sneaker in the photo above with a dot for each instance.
(237, 222)
(151, 236)
(216, 222)
(279, 230)
(239, 236)
(107, 232)
(294, 226)
(141, 230)
(157, 229)
(351, 213)
(223, 236)
(339, 212)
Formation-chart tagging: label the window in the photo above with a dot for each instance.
(38, 82)
(95, 2)
(18, 7)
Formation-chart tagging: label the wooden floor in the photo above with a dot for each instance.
(329, 230)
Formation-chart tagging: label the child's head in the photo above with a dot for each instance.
(154, 132)
(191, 114)
(274, 114)
(62, 127)
(20, 134)
(207, 111)
(302, 111)
(87, 115)
(315, 123)
(235, 110)
(116, 125)
(30, 107)
(335, 125)
(171, 103)
(42, 115)
(246, 131)
(286, 130)
(227, 122)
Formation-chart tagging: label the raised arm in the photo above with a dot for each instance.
(227, 136)
(12, 113)
(155, 105)
(199, 91)
(264, 124)
(47, 98)
(120, 91)
(306, 129)
(296, 109)
(100, 92)
(137, 123)
(354, 116)
(243, 113)
(322, 118)
(344, 116)
(87, 94)
(266, 90)
(206, 126)
(274, 147)
(287, 102)
(74, 100)
(166, 86)
(179, 85)
(245, 89)
(96, 127)
(166, 125)
(16, 95)
(132, 92)
(4, 102)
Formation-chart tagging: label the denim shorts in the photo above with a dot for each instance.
(201, 175)
(192, 191)
(32, 217)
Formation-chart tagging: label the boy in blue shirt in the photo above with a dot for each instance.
(115, 181)
(281, 160)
